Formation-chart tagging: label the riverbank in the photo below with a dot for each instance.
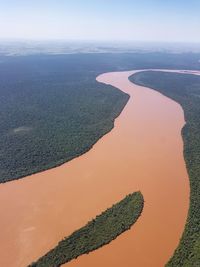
(186, 91)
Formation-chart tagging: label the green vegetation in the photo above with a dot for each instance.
(52, 109)
(45, 122)
(97, 233)
(184, 89)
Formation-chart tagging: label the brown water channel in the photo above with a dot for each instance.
(143, 152)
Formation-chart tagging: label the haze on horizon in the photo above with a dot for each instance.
(101, 20)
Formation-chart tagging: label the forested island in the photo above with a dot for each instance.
(98, 232)
(184, 89)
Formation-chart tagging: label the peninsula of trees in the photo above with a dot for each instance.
(97, 233)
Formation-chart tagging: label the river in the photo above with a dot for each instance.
(143, 152)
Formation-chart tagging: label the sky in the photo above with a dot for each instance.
(101, 20)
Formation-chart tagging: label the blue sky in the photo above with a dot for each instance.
(106, 20)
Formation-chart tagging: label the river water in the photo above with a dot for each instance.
(143, 152)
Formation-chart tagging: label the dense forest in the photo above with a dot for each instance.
(97, 233)
(184, 89)
(52, 109)
(48, 120)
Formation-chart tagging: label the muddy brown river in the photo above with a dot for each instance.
(143, 152)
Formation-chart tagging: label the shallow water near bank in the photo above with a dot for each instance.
(143, 152)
